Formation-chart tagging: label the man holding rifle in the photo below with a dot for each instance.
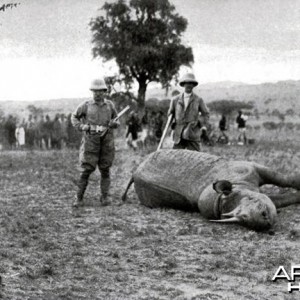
(96, 118)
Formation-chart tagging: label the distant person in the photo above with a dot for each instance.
(158, 127)
(74, 136)
(64, 131)
(151, 124)
(223, 127)
(132, 130)
(56, 136)
(40, 133)
(145, 118)
(10, 128)
(95, 118)
(241, 124)
(29, 132)
(20, 135)
(47, 130)
(37, 132)
(185, 109)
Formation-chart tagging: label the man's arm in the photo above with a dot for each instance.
(76, 117)
(204, 111)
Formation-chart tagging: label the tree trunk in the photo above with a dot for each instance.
(141, 97)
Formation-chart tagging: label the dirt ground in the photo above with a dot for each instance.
(50, 251)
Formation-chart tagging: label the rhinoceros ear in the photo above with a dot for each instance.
(223, 186)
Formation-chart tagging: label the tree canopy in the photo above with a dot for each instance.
(35, 111)
(144, 38)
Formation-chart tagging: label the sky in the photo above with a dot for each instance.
(45, 46)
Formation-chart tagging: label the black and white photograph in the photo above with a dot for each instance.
(149, 149)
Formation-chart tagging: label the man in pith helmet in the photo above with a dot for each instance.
(95, 118)
(185, 109)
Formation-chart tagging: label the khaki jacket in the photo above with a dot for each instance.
(93, 113)
(187, 121)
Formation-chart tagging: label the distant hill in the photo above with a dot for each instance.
(220, 84)
(50, 107)
(282, 95)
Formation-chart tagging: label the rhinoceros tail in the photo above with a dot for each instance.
(124, 196)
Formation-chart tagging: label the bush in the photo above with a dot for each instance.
(270, 125)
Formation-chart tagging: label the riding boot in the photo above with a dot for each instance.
(104, 186)
(82, 185)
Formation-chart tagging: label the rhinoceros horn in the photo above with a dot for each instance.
(230, 220)
(233, 213)
(231, 217)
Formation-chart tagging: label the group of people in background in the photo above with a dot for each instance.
(240, 120)
(38, 132)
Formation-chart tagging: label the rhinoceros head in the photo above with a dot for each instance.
(252, 209)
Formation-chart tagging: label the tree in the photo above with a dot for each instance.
(144, 38)
(35, 111)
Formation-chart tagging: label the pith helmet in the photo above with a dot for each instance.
(188, 77)
(98, 84)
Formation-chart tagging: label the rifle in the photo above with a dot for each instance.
(165, 132)
(121, 113)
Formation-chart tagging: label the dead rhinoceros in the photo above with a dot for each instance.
(223, 191)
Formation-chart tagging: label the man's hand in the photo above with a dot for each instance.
(85, 127)
(113, 124)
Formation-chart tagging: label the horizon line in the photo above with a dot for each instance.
(236, 83)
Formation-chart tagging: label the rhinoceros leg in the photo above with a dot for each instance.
(283, 200)
(268, 176)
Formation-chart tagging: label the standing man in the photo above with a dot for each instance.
(223, 137)
(241, 124)
(10, 127)
(56, 134)
(132, 130)
(30, 133)
(95, 119)
(185, 109)
(47, 129)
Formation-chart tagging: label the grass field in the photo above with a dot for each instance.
(51, 251)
